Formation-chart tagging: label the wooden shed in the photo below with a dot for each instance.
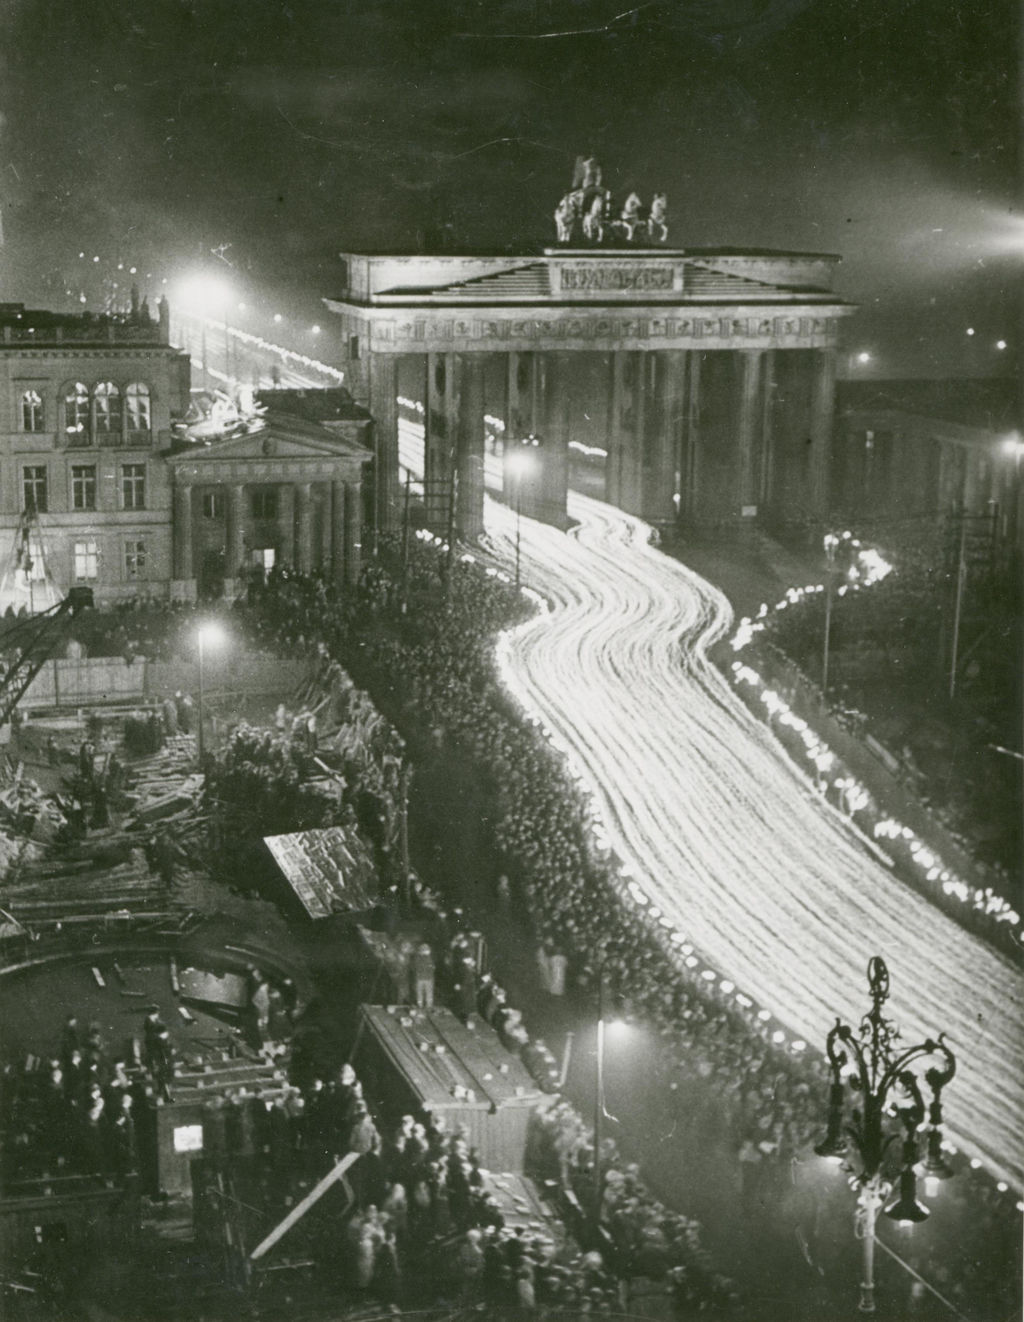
(429, 1060)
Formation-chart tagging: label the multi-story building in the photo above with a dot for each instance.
(101, 483)
(86, 405)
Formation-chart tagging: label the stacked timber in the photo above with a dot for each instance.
(93, 878)
(165, 785)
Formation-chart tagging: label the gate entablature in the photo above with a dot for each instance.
(710, 352)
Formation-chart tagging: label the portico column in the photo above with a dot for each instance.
(353, 498)
(469, 513)
(689, 463)
(748, 414)
(182, 532)
(286, 522)
(382, 373)
(823, 397)
(662, 426)
(613, 441)
(767, 446)
(304, 515)
(630, 370)
(554, 379)
(438, 437)
(337, 523)
(234, 547)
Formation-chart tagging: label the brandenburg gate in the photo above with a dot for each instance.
(715, 373)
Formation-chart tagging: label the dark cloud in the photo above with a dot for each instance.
(882, 130)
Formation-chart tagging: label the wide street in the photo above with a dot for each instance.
(768, 884)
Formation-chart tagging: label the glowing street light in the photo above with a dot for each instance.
(970, 330)
(1000, 344)
(864, 357)
(208, 297)
(883, 1085)
(520, 463)
(616, 1026)
(278, 318)
(207, 635)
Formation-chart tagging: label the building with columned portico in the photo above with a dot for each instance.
(103, 482)
(715, 374)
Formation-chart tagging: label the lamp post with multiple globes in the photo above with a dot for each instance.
(886, 1085)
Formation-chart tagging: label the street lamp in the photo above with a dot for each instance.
(206, 635)
(599, 1107)
(887, 1089)
(833, 545)
(520, 463)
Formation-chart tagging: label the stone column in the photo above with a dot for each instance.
(469, 512)
(304, 524)
(748, 416)
(823, 402)
(552, 484)
(382, 379)
(614, 438)
(337, 526)
(182, 533)
(662, 422)
(634, 392)
(690, 462)
(440, 413)
(766, 447)
(234, 548)
(322, 502)
(353, 531)
(286, 522)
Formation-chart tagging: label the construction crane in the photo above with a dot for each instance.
(30, 642)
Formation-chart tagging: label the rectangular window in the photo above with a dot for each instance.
(83, 486)
(353, 348)
(134, 559)
(213, 504)
(31, 411)
(133, 486)
(32, 563)
(264, 503)
(87, 561)
(33, 478)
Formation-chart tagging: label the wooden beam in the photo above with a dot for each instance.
(301, 1208)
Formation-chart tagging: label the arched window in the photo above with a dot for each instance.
(139, 414)
(108, 409)
(76, 414)
(31, 411)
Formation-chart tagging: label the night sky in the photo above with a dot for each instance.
(155, 132)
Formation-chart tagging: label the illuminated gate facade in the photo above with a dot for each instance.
(716, 372)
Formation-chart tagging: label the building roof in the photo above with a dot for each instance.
(22, 327)
(991, 403)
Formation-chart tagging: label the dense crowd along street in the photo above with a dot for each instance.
(766, 881)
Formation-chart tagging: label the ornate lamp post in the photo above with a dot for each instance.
(886, 1091)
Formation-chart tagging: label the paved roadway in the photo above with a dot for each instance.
(769, 884)
(235, 356)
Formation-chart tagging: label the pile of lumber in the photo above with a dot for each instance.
(94, 877)
(166, 784)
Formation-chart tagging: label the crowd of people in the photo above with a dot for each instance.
(75, 1111)
(426, 1221)
(434, 672)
